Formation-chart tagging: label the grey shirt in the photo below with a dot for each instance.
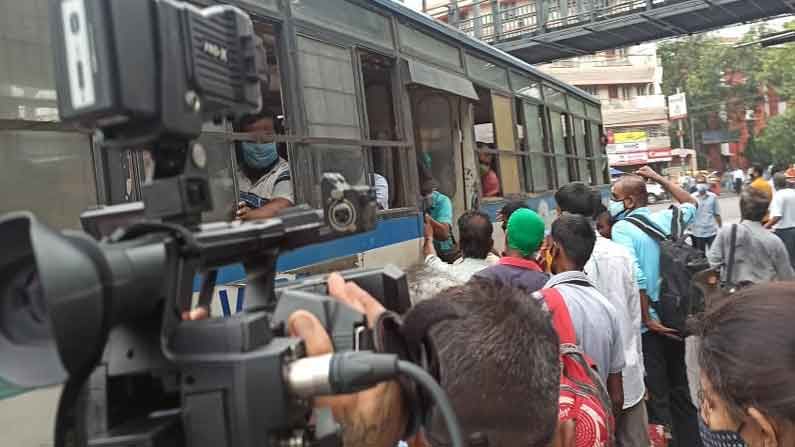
(596, 321)
(760, 256)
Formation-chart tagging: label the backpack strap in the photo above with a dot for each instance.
(648, 227)
(676, 223)
(732, 250)
(561, 319)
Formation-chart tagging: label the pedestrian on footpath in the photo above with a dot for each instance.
(746, 357)
(611, 269)
(708, 220)
(759, 256)
(518, 266)
(782, 214)
(475, 229)
(669, 402)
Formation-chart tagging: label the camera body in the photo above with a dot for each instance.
(141, 70)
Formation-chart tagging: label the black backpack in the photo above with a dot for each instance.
(679, 261)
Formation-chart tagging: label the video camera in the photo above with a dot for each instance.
(106, 316)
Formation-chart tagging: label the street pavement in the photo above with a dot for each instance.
(28, 420)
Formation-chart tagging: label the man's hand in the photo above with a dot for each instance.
(375, 417)
(428, 230)
(242, 211)
(658, 328)
(649, 173)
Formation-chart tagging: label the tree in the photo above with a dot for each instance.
(778, 67)
(778, 138)
(713, 75)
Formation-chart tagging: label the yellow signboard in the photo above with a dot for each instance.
(629, 137)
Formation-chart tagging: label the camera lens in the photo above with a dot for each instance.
(342, 215)
(74, 22)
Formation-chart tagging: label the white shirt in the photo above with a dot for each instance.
(462, 269)
(783, 206)
(738, 174)
(611, 270)
(274, 184)
(381, 191)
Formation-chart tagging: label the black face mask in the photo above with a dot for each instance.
(721, 438)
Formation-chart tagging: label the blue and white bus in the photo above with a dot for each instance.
(364, 86)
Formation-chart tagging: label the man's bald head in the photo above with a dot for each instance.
(631, 187)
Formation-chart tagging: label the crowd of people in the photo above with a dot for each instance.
(562, 339)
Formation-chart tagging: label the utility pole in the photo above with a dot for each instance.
(681, 139)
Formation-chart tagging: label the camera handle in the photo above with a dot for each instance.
(180, 190)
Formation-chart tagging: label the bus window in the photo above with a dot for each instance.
(599, 169)
(539, 174)
(485, 146)
(263, 175)
(571, 154)
(505, 138)
(52, 173)
(331, 108)
(583, 151)
(387, 162)
(433, 117)
(559, 145)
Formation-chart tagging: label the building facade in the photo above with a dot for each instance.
(628, 82)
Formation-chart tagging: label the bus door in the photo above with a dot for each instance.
(438, 135)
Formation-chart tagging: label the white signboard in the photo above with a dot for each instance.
(628, 159)
(623, 148)
(677, 106)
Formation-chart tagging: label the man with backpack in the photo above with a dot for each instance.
(665, 295)
(592, 352)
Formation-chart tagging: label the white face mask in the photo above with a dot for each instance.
(702, 188)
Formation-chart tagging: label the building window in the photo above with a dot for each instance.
(626, 92)
(612, 91)
(591, 89)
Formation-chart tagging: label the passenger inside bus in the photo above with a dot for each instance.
(489, 180)
(263, 176)
(439, 215)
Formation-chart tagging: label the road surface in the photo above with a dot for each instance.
(28, 420)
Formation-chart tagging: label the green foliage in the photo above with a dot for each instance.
(778, 138)
(717, 76)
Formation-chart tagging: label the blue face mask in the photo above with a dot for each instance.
(702, 187)
(616, 209)
(259, 155)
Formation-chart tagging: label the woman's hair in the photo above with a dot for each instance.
(748, 350)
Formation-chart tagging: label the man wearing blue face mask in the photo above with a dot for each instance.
(263, 176)
(663, 348)
(708, 220)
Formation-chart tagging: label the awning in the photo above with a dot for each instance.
(423, 74)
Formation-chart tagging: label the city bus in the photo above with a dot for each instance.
(364, 87)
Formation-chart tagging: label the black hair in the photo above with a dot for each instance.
(575, 235)
(509, 208)
(758, 169)
(575, 198)
(475, 229)
(746, 351)
(499, 363)
(599, 209)
(780, 180)
(754, 204)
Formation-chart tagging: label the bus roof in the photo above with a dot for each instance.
(428, 22)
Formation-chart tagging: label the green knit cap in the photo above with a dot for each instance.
(525, 231)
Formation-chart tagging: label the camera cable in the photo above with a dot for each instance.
(354, 371)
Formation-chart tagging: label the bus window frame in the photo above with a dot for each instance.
(400, 151)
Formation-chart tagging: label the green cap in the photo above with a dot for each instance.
(525, 231)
